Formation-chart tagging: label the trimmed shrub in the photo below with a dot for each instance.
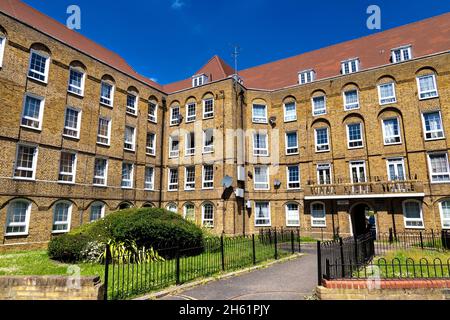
(147, 227)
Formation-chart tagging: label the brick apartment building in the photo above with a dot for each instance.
(321, 141)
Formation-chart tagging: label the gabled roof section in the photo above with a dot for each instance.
(215, 69)
(30, 16)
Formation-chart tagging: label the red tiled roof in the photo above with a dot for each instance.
(426, 37)
(23, 12)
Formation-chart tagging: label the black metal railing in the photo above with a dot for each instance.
(354, 257)
(382, 268)
(354, 250)
(128, 275)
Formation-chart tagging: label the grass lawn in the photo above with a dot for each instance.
(411, 263)
(38, 263)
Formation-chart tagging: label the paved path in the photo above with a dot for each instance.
(291, 280)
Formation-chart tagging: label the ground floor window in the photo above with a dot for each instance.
(208, 215)
(292, 215)
(262, 214)
(444, 208)
(189, 212)
(318, 215)
(97, 211)
(18, 218)
(412, 213)
(172, 207)
(61, 217)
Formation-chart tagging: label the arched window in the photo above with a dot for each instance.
(107, 91)
(189, 212)
(18, 218)
(412, 214)
(124, 206)
(148, 205)
(444, 209)
(62, 213)
(208, 215)
(172, 207)
(318, 214)
(39, 64)
(97, 211)
(77, 75)
(292, 215)
(132, 101)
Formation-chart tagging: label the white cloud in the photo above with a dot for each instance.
(178, 4)
(154, 79)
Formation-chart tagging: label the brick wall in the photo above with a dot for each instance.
(421, 289)
(50, 288)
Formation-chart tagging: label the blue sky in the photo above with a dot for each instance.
(168, 40)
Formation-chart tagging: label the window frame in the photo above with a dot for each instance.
(83, 79)
(105, 177)
(420, 92)
(306, 76)
(314, 221)
(46, 68)
(185, 209)
(78, 128)
(109, 131)
(355, 141)
(328, 140)
(260, 152)
(191, 117)
(170, 184)
(431, 132)
(206, 114)
(430, 168)
(102, 98)
(204, 182)
(34, 162)
(296, 148)
(150, 151)
(405, 219)
(269, 217)
(40, 119)
(381, 99)
(313, 106)
(288, 177)
(74, 167)
(173, 121)
(174, 153)
(152, 118)
(287, 217)
(286, 119)
(131, 180)
(102, 211)
(267, 182)
(152, 183)
(26, 223)
(69, 217)
(3, 41)
(402, 56)
(259, 120)
(208, 149)
(323, 165)
(189, 185)
(346, 104)
(349, 63)
(188, 150)
(211, 220)
(133, 140)
(383, 128)
(395, 161)
(441, 213)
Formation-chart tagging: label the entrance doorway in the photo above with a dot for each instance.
(363, 220)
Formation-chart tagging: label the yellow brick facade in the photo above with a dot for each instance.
(232, 116)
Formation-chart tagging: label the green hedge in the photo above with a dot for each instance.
(149, 227)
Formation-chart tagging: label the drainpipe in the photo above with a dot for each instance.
(161, 162)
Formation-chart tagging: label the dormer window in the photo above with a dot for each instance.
(401, 54)
(199, 80)
(306, 76)
(350, 66)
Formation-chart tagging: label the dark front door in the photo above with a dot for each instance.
(360, 220)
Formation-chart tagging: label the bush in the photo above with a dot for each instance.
(147, 227)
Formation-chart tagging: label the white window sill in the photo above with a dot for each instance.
(17, 234)
(24, 179)
(66, 182)
(100, 185)
(207, 118)
(435, 139)
(71, 137)
(262, 225)
(38, 80)
(106, 105)
(60, 231)
(292, 225)
(322, 151)
(31, 128)
(317, 226)
(129, 150)
(131, 113)
(393, 144)
(353, 148)
(428, 98)
(80, 95)
(104, 144)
